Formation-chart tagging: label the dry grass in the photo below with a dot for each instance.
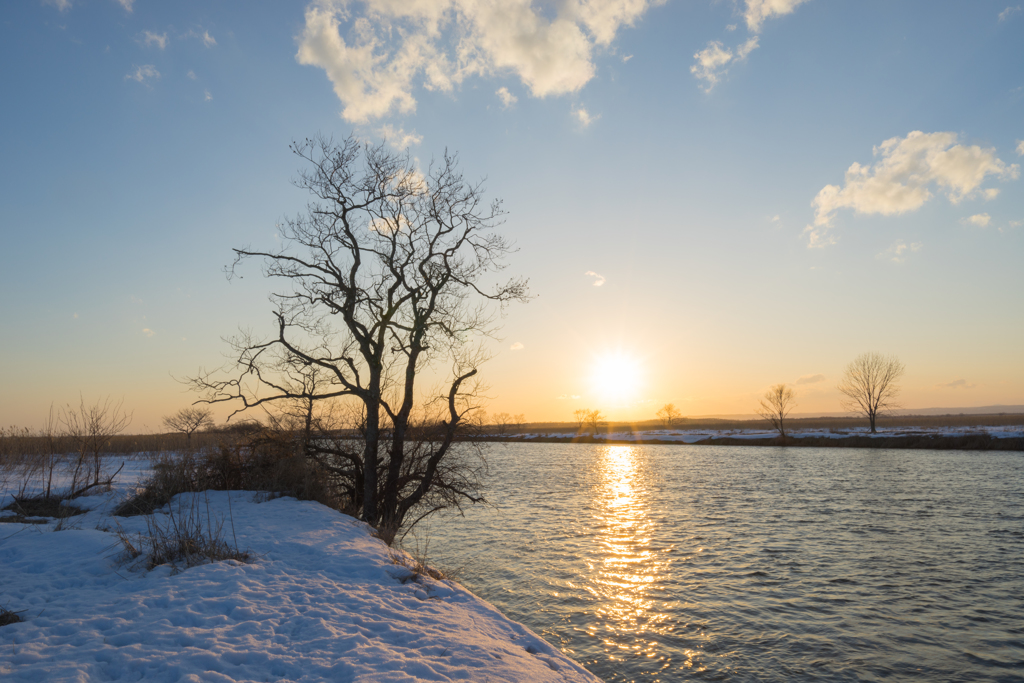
(9, 617)
(267, 466)
(184, 539)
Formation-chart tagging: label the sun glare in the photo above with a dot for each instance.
(616, 377)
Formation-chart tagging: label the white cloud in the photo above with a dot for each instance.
(898, 251)
(61, 5)
(713, 61)
(398, 138)
(598, 279)
(518, 346)
(507, 98)
(1012, 225)
(775, 219)
(158, 39)
(191, 74)
(1008, 12)
(811, 379)
(978, 220)
(207, 96)
(759, 10)
(991, 193)
(584, 117)
(208, 40)
(1020, 148)
(957, 384)
(75, 316)
(127, 4)
(148, 332)
(626, 58)
(142, 73)
(901, 179)
(568, 397)
(389, 44)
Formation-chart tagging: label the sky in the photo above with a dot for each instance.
(713, 196)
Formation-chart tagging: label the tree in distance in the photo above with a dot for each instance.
(89, 429)
(189, 420)
(594, 419)
(870, 385)
(669, 414)
(776, 406)
(580, 418)
(388, 272)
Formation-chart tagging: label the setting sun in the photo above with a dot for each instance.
(616, 377)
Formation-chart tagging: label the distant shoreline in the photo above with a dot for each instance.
(964, 442)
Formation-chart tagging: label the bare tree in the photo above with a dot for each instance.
(502, 421)
(580, 418)
(189, 420)
(89, 430)
(776, 406)
(870, 385)
(518, 420)
(387, 272)
(669, 414)
(594, 419)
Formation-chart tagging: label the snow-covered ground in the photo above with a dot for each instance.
(694, 435)
(321, 599)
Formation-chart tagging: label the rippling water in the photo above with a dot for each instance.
(662, 563)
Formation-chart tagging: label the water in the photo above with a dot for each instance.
(665, 563)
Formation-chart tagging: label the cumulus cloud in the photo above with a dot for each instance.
(1020, 148)
(598, 279)
(61, 5)
(584, 117)
(1008, 12)
(398, 138)
(991, 193)
(191, 74)
(899, 250)
(518, 346)
(158, 39)
(978, 220)
(507, 98)
(389, 46)
(957, 384)
(758, 11)
(127, 4)
(142, 73)
(907, 171)
(207, 96)
(714, 60)
(775, 219)
(148, 332)
(811, 379)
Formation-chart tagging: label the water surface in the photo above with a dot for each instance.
(664, 563)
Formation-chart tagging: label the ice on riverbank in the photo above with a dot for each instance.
(322, 599)
(695, 435)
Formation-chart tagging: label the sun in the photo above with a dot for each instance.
(616, 377)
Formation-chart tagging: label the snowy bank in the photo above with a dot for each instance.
(320, 599)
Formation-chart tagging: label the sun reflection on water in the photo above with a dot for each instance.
(630, 564)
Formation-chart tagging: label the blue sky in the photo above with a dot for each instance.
(697, 157)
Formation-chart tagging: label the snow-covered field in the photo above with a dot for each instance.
(694, 435)
(321, 599)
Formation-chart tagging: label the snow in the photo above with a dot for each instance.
(321, 598)
(695, 435)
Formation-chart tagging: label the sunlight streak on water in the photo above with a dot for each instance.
(664, 563)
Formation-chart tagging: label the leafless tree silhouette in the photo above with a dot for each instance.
(189, 420)
(388, 271)
(669, 414)
(776, 406)
(870, 385)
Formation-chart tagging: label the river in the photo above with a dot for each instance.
(666, 563)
